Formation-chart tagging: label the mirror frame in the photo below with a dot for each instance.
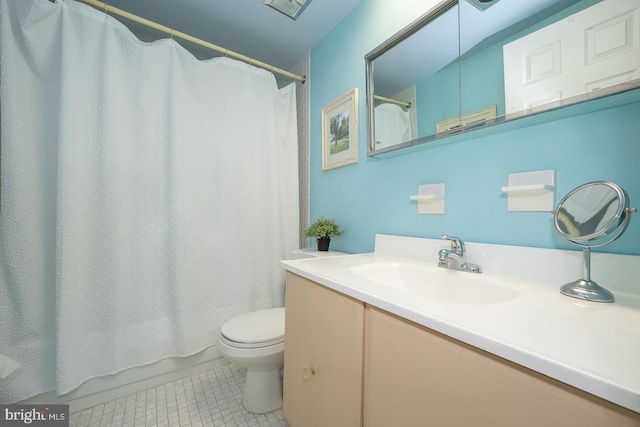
(424, 20)
(387, 45)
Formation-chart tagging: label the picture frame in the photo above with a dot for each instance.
(340, 131)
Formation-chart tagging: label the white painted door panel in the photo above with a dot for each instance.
(594, 48)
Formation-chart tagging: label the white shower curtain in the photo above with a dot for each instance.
(146, 196)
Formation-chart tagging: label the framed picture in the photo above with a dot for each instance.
(340, 131)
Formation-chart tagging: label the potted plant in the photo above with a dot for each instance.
(323, 229)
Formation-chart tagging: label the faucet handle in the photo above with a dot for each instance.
(457, 245)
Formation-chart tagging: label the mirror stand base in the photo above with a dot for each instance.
(587, 290)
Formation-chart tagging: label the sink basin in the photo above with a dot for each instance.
(436, 283)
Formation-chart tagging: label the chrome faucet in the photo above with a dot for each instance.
(456, 258)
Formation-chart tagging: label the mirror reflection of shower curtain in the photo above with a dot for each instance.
(146, 196)
(392, 125)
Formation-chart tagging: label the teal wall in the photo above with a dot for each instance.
(438, 98)
(372, 196)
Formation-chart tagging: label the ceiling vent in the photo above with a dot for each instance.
(483, 5)
(291, 8)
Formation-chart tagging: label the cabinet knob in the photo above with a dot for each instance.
(307, 373)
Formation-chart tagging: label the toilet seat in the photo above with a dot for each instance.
(262, 328)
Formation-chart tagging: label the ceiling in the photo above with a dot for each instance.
(247, 27)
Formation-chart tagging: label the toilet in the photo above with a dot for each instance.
(255, 341)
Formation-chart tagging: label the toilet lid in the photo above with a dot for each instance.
(262, 326)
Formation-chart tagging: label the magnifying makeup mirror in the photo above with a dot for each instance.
(592, 215)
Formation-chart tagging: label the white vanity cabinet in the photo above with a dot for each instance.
(323, 356)
(348, 363)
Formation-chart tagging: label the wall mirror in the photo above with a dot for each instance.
(470, 64)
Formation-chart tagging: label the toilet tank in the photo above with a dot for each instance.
(313, 253)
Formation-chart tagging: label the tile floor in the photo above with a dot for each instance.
(211, 398)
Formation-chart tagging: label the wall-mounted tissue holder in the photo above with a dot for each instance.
(430, 199)
(531, 191)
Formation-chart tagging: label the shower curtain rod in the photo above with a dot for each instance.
(392, 101)
(175, 33)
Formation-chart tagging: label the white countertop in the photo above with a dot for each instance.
(592, 346)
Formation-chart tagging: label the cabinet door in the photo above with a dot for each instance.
(323, 356)
(417, 377)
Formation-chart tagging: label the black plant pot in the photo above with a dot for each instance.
(323, 243)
